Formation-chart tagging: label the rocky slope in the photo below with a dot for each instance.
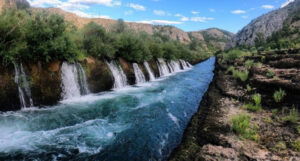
(211, 136)
(266, 24)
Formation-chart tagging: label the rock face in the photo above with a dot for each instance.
(266, 24)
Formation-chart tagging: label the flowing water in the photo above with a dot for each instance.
(149, 70)
(139, 75)
(135, 123)
(118, 74)
(74, 82)
(163, 68)
(82, 80)
(175, 65)
(184, 64)
(23, 87)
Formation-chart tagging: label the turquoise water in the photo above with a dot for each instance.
(136, 123)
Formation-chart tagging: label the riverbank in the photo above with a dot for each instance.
(274, 128)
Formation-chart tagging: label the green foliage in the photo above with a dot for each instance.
(97, 42)
(279, 95)
(120, 26)
(241, 75)
(257, 99)
(292, 117)
(242, 126)
(132, 48)
(280, 145)
(12, 32)
(259, 40)
(249, 64)
(270, 74)
(296, 145)
(252, 107)
(249, 88)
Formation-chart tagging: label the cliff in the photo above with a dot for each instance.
(267, 24)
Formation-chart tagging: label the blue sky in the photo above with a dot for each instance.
(188, 15)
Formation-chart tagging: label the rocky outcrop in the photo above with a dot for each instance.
(266, 25)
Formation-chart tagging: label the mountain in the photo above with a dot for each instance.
(212, 38)
(13, 4)
(267, 24)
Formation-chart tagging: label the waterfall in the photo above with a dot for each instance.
(150, 72)
(170, 67)
(74, 83)
(118, 74)
(82, 80)
(23, 86)
(175, 65)
(185, 65)
(163, 68)
(189, 65)
(139, 75)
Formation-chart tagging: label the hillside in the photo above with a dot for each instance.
(212, 38)
(267, 24)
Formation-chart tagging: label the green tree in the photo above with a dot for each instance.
(47, 39)
(12, 42)
(97, 42)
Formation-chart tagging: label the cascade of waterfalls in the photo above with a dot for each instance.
(74, 83)
(23, 86)
(162, 67)
(150, 72)
(118, 74)
(184, 64)
(139, 75)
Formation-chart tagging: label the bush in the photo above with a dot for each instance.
(97, 42)
(296, 145)
(242, 126)
(257, 99)
(47, 39)
(270, 74)
(242, 75)
(279, 95)
(249, 64)
(253, 108)
(292, 117)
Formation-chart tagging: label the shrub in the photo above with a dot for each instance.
(230, 69)
(292, 117)
(242, 75)
(242, 126)
(249, 64)
(296, 145)
(270, 74)
(249, 88)
(279, 95)
(253, 108)
(257, 99)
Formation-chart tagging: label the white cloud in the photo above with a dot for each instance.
(137, 7)
(195, 12)
(183, 18)
(238, 12)
(109, 3)
(267, 6)
(178, 15)
(161, 22)
(212, 10)
(159, 12)
(44, 3)
(287, 3)
(201, 19)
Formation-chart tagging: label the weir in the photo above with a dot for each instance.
(23, 86)
(149, 70)
(139, 75)
(74, 83)
(120, 79)
(162, 67)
